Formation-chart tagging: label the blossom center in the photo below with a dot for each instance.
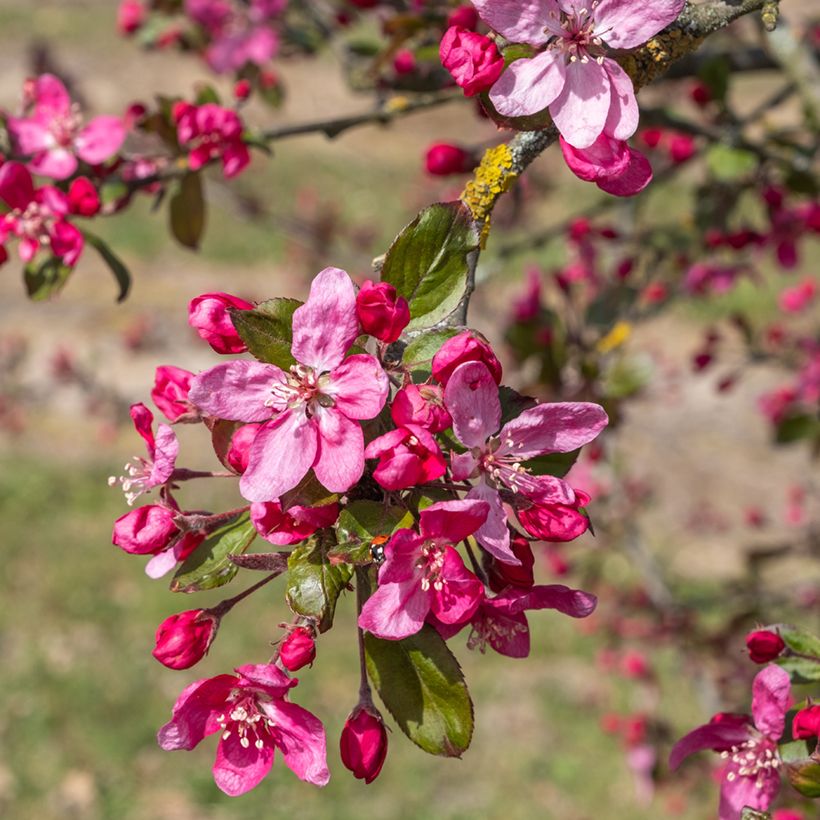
(302, 386)
(755, 758)
(64, 127)
(246, 721)
(32, 222)
(136, 480)
(486, 630)
(573, 35)
(505, 468)
(431, 563)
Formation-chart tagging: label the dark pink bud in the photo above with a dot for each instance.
(242, 89)
(556, 522)
(472, 59)
(654, 293)
(298, 649)
(463, 17)
(635, 665)
(363, 744)
(651, 137)
(764, 646)
(501, 575)
(443, 159)
(83, 198)
(170, 393)
(806, 723)
(208, 315)
(130, 16)
(382, 312)
(422, 405)
(240, 450)
(700, 94)
(467, 346)
(145, 530)
(184, 639)
(404, 62)
(681, 148)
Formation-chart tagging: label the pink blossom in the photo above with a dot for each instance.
(797, 298)
(183, 639)
(210, 132)
(776, 404)
(466, 346)
(143, 474)
(289, 526)
(298, 649)
(463, 17)
(422, 405)
(53, 136)
(209, 315)
(239, 450)
(556, 521)
(703, 277)
(496, 456)
(501, 575)
(587, 93)
(83, 197)
(408, 456)
(681, 148)
(764, 645)
(382, 312)
(311, 413)
(404, 62)
(472, 59)
(130, 16)
(527, 307)
(751, 776)
(170, 392)
(363, 743)
(611, 164)
(251, 712)
(422, 573)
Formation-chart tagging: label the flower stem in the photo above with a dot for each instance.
(477, 568)
(362, 594)
(223, 607)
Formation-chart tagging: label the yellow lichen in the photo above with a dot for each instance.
(655, 56)
(493, 177)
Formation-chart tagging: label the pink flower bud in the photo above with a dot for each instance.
(407, 456)
(239, 451)
(788, 814)
(145, 530)
(635, 665)
(764, 646)
(463, 17)
(83, 198)
(208, 315)
(443, 159)
(700, 94)
(382, 312)
(556, 522)
(472, 59)
(170, 393)
(298, 649)
(130, 16)
(681, 148)
(797, 298)
(242, 89)
(422, 405)
(806, 723)
(404, 62)
(363, 744)
(465, 347)
(501, 575)
(651, 137)
(184, 639)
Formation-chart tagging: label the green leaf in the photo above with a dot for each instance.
(207, 94)
(362, 522)
(266, 330)
(187, 211)
(799, 640)
(556, 464)
(422, 685)
(730, 164)
(513, 403)
(114, 263)
(208, 566)
(45, 279)
(796, 428)
(753, 814)
(309, 492)
(427, 262)
(418, 355)
(314, 583)
(801, 670)
(803, 774)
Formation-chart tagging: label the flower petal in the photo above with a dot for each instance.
(16, 185)
(326, 325)
(636, 176)
(339, 462)
(238, 390)
(268, 676)
(622, 119)
(51, 98)
(529, 85)
(359, 387)
(709, 736)
(580, 110)
(301, 738)
(471, 397)
(395, 610)
(771, 691)
(194, 711)
(166, 449)
(460, 594)
(100, 139)
(494, 534)
(519, 21)
(573, 602)
(238, 769)
(741, 791)
(629, 23)
(281, 454)
(452, 521)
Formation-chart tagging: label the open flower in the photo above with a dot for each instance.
(422, 573)
(587, 93)
(496, 456)
(253, 717)
(751, 777)
(311, 413)
(209, 132)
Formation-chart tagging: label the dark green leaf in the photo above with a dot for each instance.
(114, 263)
(801, 670)
(360, 523)
(804, 775)
(45, 279)
(427, 262)
(207, 94)
(187, 211)
(209, 566)
(420, 682)
(266, 330)
(796, 428)
(556, 464)
(418, 355)
(513, 403)
(799, 640)
(308, 493)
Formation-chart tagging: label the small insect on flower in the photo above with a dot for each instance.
(377, 548)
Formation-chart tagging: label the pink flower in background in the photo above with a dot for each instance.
(471, 58)
(527, 307)
(130, 16)
(143, 474)
(421, 404)
(289, 526)
(611, 164)
(311, 413)
(422, 573)
(254, 718)
(556, 521)
(53, 135)
(799, 297)
(209, 315)
(170, 393)
(704, 277)
(211, 132)
(408, 456)
(749, 746)
(83, 197)
(495, 456)
(587, 93)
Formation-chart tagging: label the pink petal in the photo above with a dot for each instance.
(555, 427)
(622, 119)
(507, 633)
(401, 471)
(161, 564)
(771, 691)
(268, 676)
(395, 610)
(359, 387)
(301, 738)
(604, 159)
(67, 242)
(494, 535)
(462, 465)
(742, 791)
(452, 521)
(238, 769)
(401, 554)
(709, 736)
(100, 139)
(239, 391)
(326, 326)
(281, 454)
(461, 593)
(16, 185)
(581, 109)
(57, 163)
(633, 180)
(29, 136)
(166, 449)
(519, 21)
(629, 23)
(51, 98)
(573, 602)
(194, 711)
(384, 444)
(529, 85)
(143, 420)
(548, 489)
(471, 397)
(339, 462)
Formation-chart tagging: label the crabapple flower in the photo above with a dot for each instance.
(170, 392)
(749, 747)
(495, 456)
(298, 649)
(611, 164)
(466, 346)
(184, 639)
(407, 456)
(289, 526)
(211, 132)
(253, 718)
(311, 414)
(143, 474)
(806, 723)
(556, 521)
(463, 17)
(382, 312)
(208, 315)
(363, 743)
(145, 530)
(472, 59)
(422, 573)
(83, 197)
(422, 405)
(53, 135)
(587, 93)
(764, 645)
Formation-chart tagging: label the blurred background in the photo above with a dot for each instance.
(82, 697)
